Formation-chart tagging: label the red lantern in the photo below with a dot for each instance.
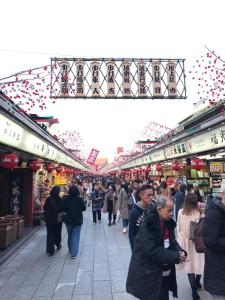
(59, 169)
(197, 164)
(49, 167)
(35, 165)
(9, 161)
(176, 165)
(158, 167)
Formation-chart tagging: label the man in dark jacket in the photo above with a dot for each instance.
(152, 267)
(179, 198)
(144, 194)
(214, 238)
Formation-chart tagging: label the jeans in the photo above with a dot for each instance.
(73, 238)
(218, 297)
(125, 222)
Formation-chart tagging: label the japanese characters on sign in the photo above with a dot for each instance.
(176, 150)
(92, 156)
(171, 75)
(110, 69)
(141, 79)
(80, 78)
(95, 79)
(64, 78)
(156, 79)
(157, 156)
(10, 133)
(126, 79)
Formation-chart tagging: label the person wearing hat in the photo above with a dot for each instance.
(198, 192)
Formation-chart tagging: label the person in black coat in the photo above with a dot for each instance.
(52, 208)
(73, 205)
(179, 198)
(151, 272)
(214, 238)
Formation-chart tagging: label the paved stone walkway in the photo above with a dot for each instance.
(98, 274)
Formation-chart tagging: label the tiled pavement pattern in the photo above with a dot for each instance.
(98, 274)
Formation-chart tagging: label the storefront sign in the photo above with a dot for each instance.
(176, 150)
(92, 156)
(64, 78)
(80, 79)
(110, 69)
(171, 75)
(141, 79)
(126, 79)
(216, 167)
(156, 79)
(157, 156)
(33, 144)
(10, 133)
(95, 79)
(210, 140)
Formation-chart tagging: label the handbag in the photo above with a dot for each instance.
(192, 228)
(196, 229)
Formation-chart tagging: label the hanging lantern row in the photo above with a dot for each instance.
(35, 165)
(158, 167)
(176, 165)
(49, 167)
(9, 161)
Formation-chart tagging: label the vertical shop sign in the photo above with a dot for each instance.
(80, 78)
(126, 79)
(92, 156)
(95, 79)
(171, 77)
(156, 79)
(141, 79)
(110, 69)
(64, 78)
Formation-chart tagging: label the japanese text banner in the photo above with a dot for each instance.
(92, 156)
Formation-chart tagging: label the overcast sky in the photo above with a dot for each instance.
(32, 33)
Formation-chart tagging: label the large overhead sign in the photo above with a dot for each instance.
(118, 78)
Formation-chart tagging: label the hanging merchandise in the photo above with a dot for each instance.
(49, 167)
(176, 165)
(35, 165)
(158, 167)
(197, 164)
(9, 161)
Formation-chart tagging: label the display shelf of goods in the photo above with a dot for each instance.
(6, 233)
(198, 174)
(201, 182)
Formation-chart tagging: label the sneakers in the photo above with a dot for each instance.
(94, 223)
(114, 222)
(124, 230)
(73, 257)
(109, 223)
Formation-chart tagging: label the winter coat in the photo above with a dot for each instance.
(97, 198)
(179, 200)
(135, 220)
(73, 206)
(52, 206)
(214, 238)
(195, 261)
(149, 255)
(110, 202)
(123, 204)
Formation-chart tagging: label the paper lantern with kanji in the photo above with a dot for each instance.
(158, 167)
(197, 164)
(49, 167)
(9, 161)
(59, 169)
(35, 165)
(176, 165)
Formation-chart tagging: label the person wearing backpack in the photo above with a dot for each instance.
(214, 238)
(194, 264)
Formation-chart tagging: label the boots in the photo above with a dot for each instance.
(192, 281)
(109, 223)
(198, 283)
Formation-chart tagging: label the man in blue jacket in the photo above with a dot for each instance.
(144, 195)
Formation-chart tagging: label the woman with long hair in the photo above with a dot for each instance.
(52, 208)
(74, 206)
(194, 264)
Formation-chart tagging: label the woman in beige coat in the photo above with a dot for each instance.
(194, 264)
(123, 206)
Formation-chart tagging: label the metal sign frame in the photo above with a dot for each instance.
(71, 80)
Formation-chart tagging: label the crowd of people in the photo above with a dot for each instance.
(149, 212)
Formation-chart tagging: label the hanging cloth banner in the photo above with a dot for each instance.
(126, 79)
(95, 79)
(92, 156)
(156, 79)
(141, 79)
(110, 69)
(64, 78)
(171, 75)
(80, 79)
